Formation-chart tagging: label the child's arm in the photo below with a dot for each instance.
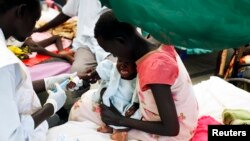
(169, 126)
(90, 75)
(102, 71)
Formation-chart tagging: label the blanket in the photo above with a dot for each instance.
(236, 117)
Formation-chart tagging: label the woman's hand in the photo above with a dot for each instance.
(110, 115)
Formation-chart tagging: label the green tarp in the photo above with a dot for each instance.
(206, 24)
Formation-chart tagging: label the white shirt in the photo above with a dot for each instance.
(88, 12)
(17, 100)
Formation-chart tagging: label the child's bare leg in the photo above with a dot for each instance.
(41, 50)
(120, 136)
(59, 44)
(105, 129)
(66, 52)
(49, 41)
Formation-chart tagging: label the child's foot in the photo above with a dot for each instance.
(67, 55)
(120, 136)
(105, 129)
(66, 52)
(30, 42)
(69, 58)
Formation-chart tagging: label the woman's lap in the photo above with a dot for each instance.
(84, 109)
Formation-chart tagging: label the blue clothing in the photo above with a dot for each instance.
(120, 92)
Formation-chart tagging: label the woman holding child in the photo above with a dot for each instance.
(166, 98)
(167, 101)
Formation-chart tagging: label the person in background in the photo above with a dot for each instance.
(23, 118)
(167, 102)
(87, 52)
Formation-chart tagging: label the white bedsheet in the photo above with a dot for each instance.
(77, 131)
(213, 96)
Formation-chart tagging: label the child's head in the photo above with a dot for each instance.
(114, 36)
(21, 16)
(127, 69)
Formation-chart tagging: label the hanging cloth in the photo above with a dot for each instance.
(206, 24)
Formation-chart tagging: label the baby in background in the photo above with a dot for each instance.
(40, 47)
(24, 50)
